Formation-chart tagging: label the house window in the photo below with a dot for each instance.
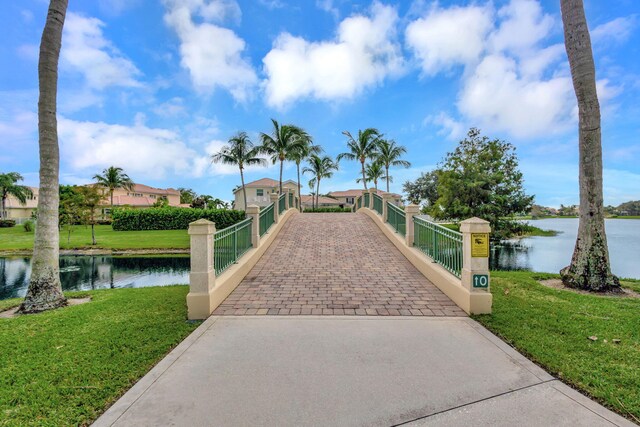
(259, 192)
(350, 200)
(153, 196)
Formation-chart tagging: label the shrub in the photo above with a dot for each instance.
(104, 222)
(327, 210)
(171, 218)
(7, 223)
(28, 226)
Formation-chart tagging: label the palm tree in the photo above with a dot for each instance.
(301, 153)
(363, 148)
(283, 141)
(320, 167)
(45, 290)
(9, 187)
(242, 153)
(374, 171)
(113, 178)
(389, 154)
(590, 268)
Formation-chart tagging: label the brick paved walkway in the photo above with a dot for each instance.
(335, 264)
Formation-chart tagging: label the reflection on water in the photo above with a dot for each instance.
(550, 254)
(84, 272)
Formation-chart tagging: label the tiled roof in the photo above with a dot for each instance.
(306, 199)
(358, 192)
(265, 182)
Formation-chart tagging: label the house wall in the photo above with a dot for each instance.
(15, 210)
(264, 200)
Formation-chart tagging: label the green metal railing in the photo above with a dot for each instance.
(377, 204)
(266, 219)
(396, 218)
(290, 200)
(366, 199)
(281, 203)
(230, 244)
(444, 246)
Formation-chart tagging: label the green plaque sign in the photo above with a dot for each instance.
(480, 280)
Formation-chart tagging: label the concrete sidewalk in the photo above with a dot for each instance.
(349, 371)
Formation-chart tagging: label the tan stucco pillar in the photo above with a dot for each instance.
(371, 193)
(386, 198)
(409, 212)
(253, 211)
(286, 200)
(274, 199)
(475, 254)
(202, 277)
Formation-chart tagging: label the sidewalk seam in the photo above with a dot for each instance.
(473, 403)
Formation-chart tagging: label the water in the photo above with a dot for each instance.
(550, 254)
(84, 272)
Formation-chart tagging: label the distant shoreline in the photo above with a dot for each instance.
(100, 251)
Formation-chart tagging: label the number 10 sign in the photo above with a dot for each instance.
(480, 280)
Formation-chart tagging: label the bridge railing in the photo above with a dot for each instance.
(282, 203)
(441, 244)
(221, 259)
(456, 262)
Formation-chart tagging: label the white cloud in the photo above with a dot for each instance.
(512, 80)
(328, 6)
(448, 37)
(617, 30)
(171, 108)
(272, 4)
(212, 54)
(85, 50)
(363, 54)
(142, 151)
(449, 127)
(496, 96)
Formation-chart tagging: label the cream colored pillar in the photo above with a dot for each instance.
(371, 193)
(202, 277)
(409, 212)
(386, 198)
(274, 199)
(475, 255)
(286, 200)
(253, 211)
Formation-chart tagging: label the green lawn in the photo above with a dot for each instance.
(552, 327)
(67, 366)
(16, 238)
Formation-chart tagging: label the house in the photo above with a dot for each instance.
(323, 202)
(348, 197)
(258, 192)
(140, 196)
(19, 212)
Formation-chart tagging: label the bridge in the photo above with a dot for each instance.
(380, 260)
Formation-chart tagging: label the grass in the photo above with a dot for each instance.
(16, 238)
(552, 327)
(530, 231)
(65, 367)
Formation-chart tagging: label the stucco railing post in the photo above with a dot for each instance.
(286, 200)
(386, 197)
(372, 191)
(253, 211)
(273, 197)
(409, 212)
(475, 254)
(202, 277)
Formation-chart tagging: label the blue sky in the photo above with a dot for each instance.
(156, 87)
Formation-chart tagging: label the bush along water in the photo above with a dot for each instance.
(171, 218)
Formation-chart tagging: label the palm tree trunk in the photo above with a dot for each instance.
(244, 191)
(589, 268)
(387, 172)
(4, 208)
(299, 193)
(281, 165)
(318, 193)
(93, 230)
(364, 178)
(45, 289)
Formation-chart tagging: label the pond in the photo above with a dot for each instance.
(550, 254)
(84, 272)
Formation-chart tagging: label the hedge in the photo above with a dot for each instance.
(6, 223)
(326, 210)
(171, 218)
